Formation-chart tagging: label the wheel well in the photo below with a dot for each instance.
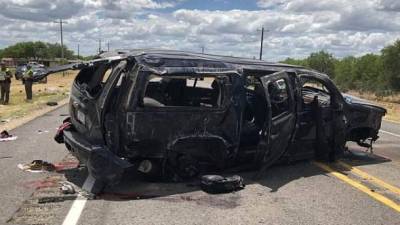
(212, 149)
(362, 133)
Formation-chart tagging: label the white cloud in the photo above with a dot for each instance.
(271, 3)
(389, 5)
(39, 10)
(295, 28)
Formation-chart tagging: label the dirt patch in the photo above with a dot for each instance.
(15, 122)
(55, 90)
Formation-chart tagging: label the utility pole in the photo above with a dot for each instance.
(262, 42)
(108, 46)
(99, 45)
(202, 49)
(78, 51)
(62, 40)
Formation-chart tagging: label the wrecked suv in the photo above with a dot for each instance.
(180, 114)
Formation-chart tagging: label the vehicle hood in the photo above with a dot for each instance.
(353, 100)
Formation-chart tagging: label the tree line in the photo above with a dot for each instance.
(378, 73)
(38, 50)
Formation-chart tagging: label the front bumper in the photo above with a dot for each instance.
(102, 164)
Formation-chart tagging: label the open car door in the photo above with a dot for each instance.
(281, 118)
(77, 66)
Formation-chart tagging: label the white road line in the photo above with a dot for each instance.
(387, 132)
(391, 121)
(79, 204)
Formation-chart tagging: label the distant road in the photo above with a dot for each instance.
(391, 128)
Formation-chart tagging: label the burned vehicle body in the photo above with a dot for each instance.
(179, 113)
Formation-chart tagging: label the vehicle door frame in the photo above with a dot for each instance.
(267, 152)
(336, 106)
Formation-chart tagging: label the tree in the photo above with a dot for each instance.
(391, 65)
(36, 50)
(299, 62)
(366, 73)
(344, 70)
(370, 72)
(323, 62)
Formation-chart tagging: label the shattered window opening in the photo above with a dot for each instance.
(183, 91)
(93, 79)
(279, 96)
(312, 88)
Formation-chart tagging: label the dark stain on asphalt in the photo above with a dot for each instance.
(43, 183)
(225, 201)
(124, 196)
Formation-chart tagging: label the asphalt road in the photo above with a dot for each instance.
(302, 193)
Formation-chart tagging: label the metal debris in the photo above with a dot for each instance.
(67, 188)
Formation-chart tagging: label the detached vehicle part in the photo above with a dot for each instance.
(215, 184)
(179, 114)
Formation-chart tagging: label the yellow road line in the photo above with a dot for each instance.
(371, 178)
(360, 187)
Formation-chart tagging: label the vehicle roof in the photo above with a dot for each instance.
(165, 62)
(157, 58)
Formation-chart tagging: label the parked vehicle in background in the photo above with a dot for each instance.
(19, 71)
(36, 68)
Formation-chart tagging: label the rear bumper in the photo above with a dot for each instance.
(77, 145)
(102, 164)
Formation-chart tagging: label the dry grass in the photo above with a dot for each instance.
(390, 103)
(56, 89)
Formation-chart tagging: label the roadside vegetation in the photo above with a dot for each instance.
(38, 50)
(375, 77)
(56, 89)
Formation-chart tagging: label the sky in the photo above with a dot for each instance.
(294, 28)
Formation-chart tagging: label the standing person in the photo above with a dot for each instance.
(5, 83)
(2, 88)
(28, 81)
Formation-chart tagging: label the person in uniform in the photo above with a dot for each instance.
(28, 81)
(5, 83)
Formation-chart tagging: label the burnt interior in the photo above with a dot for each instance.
(183, 91)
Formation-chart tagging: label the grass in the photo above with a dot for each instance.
(390, 103)
(56, 89)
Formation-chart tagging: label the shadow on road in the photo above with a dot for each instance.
(132, 187)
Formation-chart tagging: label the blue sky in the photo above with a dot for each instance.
(296, 27)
